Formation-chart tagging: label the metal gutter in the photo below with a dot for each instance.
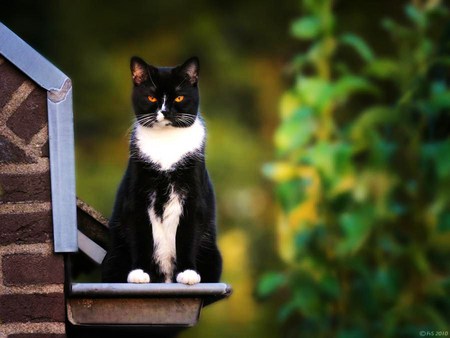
(149, 305)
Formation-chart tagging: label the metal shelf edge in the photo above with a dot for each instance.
(149, 290)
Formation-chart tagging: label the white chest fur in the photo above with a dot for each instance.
(164, 231)
(166, 146)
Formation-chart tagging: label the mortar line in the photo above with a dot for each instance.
(17, 98)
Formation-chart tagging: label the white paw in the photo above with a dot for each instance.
(189, 277)
(138, 276)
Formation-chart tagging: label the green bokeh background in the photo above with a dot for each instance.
(245, 50)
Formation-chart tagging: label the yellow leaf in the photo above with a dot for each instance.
(288, 103)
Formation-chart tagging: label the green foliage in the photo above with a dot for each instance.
(363, 181)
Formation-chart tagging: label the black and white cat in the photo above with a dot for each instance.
(163, 222)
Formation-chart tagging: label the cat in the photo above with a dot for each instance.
(163, 222)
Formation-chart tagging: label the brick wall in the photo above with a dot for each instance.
(31, 276)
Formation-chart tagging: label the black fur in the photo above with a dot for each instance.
(130, 226)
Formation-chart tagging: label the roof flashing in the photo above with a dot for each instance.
(61, 134)
(38, 68)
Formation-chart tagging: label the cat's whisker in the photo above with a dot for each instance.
(146, 117)
(185, 118)
(146, 120)
(134, 123)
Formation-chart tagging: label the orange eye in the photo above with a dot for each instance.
(152, 99)
(179, 98)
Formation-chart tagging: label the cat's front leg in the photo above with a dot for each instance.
(141, 252)
(186, 272)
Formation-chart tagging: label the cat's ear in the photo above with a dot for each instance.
(190, 69)
(139, 70)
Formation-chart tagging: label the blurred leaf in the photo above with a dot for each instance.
(314, 92)
(302, 241)
(388, 24)
(320, 50)
(287, 310)
(288, 104)
(394, 28)
(440, 100)
(415, 15)
(280, 171)
(419, 260)
(382, 151)
(382, 68)
(389, 246)
(314, 6)
(386, 283)
(300, 60)
(344, 184)
(444, 222)
(438, 87)
(368, 123)
(321, 156)
(356, 227)
(306, 28)
(270, 283)
(330, 285)
(296, 131)
(291, 193)
(350, 84)
(439, 154)
(306, 299)
(330, 159)
(359, 45)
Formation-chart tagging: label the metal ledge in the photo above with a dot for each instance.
(216, 290)
(154, 304)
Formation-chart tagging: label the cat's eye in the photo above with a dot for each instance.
(152, 98)
(179, 98)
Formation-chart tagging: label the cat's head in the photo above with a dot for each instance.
(165, 96)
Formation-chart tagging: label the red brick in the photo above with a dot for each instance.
(10, 79)
(34, 308)
(21, 188)
(10, 153)
(26, 228)
(29, 269)
(30, 116)
(37, 335)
